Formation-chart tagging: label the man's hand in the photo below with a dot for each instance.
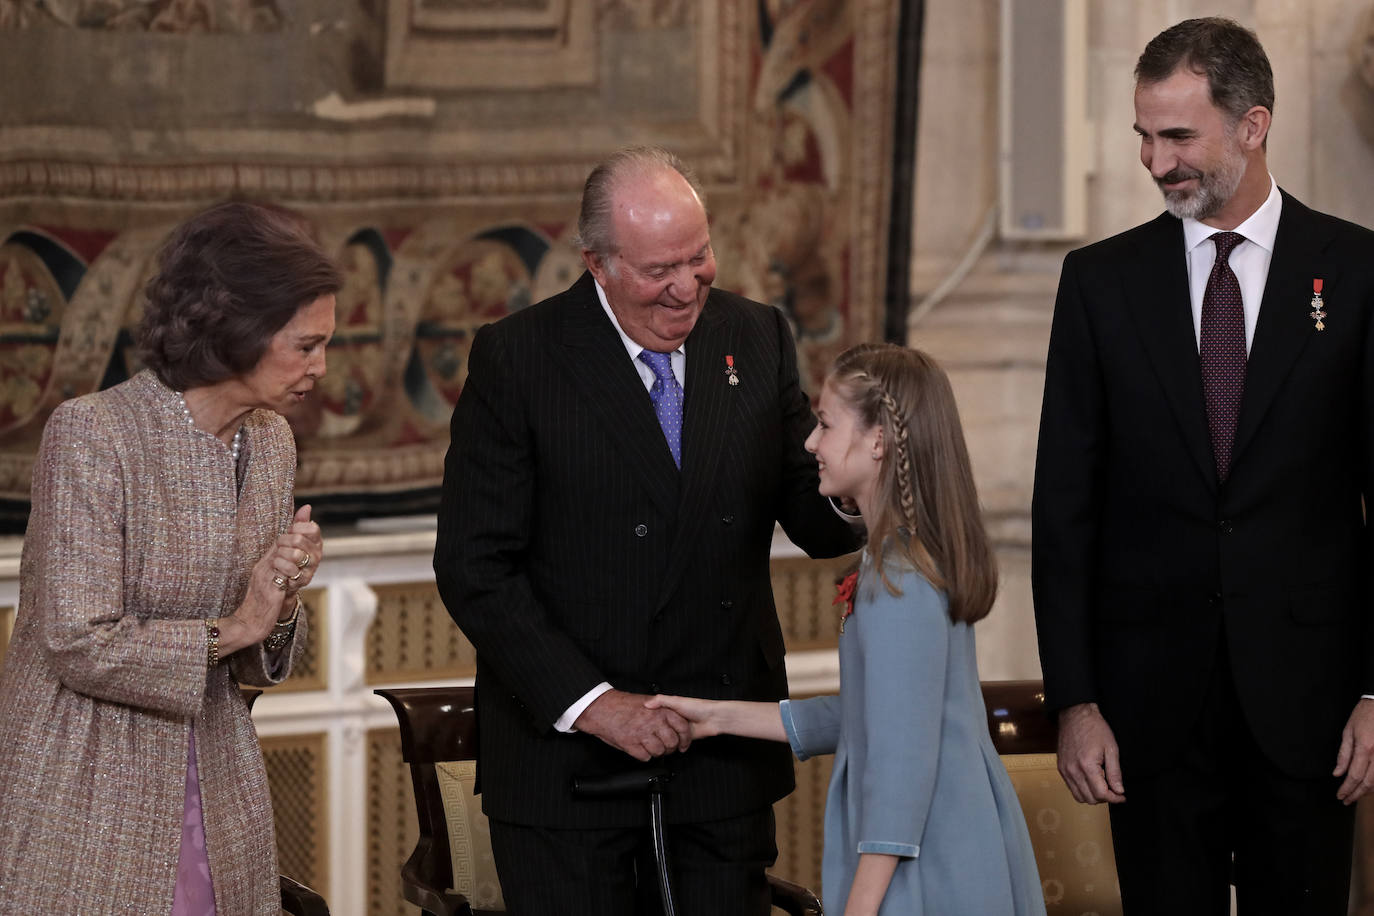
(1356, 755)
(1088, 757)
(620, 719)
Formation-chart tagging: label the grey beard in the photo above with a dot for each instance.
(1213, 191)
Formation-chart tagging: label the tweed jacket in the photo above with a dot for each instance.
(136, 536)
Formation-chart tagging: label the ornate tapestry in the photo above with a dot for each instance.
(438, 147)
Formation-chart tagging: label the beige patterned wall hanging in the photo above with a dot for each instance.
(413, 638)
(299, 783)
(392, 829)
(804, 592)
(439, 148)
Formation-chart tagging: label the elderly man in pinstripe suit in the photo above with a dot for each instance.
(620, 454)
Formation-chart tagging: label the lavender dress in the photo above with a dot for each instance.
(195, 893)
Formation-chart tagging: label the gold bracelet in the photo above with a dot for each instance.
(283, 630)
(289, 622)
(212, 642)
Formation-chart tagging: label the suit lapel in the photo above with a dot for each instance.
(710, 403)
(1157, 296)
(1284, 326)
(595, 358)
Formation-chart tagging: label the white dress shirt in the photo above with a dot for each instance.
(1249, 261)
(646, 374)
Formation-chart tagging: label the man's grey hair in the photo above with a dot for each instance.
(594, 221)
(1228, 54)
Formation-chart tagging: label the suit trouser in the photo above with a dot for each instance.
(1176, 834)
(717, 868)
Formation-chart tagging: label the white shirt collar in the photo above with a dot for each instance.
(1260, 227)
(631, 347)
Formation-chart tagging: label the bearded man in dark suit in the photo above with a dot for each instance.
(1201, 559)
(620, 454)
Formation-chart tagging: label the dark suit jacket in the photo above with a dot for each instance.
(571, 550)
(1144, 566)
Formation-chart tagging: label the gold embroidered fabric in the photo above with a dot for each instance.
(1072, 842)
(469, 836)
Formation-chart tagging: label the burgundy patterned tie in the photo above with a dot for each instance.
(1222, 351)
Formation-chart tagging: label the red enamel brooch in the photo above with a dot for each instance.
(844, 594)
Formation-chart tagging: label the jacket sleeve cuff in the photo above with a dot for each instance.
(785, 708)
(565, 721)
(905, 850)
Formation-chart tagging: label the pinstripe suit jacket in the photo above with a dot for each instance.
(571, 549)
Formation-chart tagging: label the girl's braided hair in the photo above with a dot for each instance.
(926, 506)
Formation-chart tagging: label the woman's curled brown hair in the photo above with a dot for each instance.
(228, 279)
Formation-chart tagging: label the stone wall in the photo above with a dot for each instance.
(992, 330)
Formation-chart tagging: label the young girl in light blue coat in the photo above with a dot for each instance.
(921, 818)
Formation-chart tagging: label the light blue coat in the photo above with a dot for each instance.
(915, 772)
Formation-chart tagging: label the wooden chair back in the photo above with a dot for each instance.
(450, 872)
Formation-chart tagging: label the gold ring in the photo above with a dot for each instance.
(279, 581)
(304, 561)
(297, 575)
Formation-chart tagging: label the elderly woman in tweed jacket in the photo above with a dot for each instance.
(161, 566)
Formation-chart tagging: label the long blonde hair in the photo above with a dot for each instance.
(926, 504)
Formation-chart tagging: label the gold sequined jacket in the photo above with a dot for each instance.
(138, 533)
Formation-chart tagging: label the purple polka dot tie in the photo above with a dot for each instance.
(1222, 351)
(666, 396)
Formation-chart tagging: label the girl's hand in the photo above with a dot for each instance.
(725, 717)
(871, 880)
(698, 713)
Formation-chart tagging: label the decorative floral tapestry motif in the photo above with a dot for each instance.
(447, 205)
(178, 16)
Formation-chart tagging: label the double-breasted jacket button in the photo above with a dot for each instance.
(641, 530)
(725, 680)
(727, 519)
(1225, 526)
(726, 604)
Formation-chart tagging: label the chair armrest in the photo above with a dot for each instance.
(793, 898)
(299, 900)
(437, 900)
(1016, 717)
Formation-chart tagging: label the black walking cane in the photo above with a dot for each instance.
(653, 782)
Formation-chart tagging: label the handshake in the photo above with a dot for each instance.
(646, 727)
